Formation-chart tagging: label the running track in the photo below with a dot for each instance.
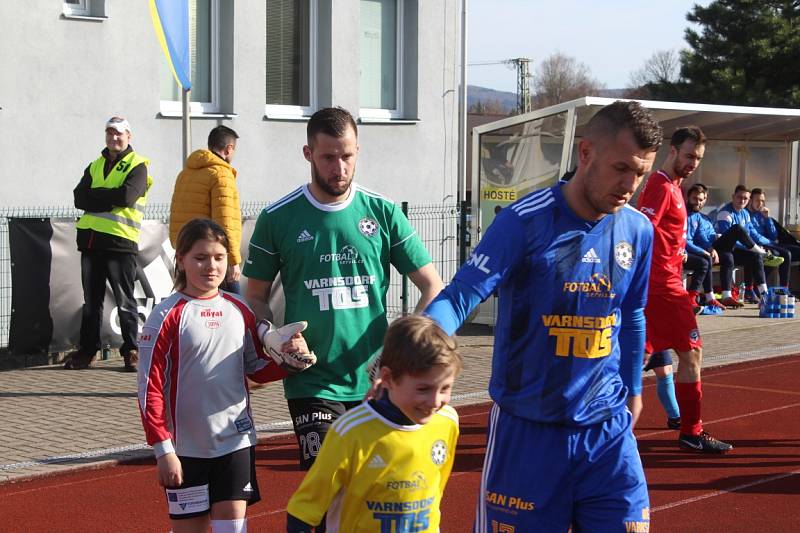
(755, 405)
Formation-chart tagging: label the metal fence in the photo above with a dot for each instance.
(436, 224)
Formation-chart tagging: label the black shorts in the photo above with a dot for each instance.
(208, 481)
(312, 417)
(659, 360)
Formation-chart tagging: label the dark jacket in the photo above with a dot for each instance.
(100, 200)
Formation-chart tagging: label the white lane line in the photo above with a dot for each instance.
(714, 494)
(728, 419)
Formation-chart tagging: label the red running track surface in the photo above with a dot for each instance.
(756, 487)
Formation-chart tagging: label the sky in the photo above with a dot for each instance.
(612, 37)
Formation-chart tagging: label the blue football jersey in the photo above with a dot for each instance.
(564, 286)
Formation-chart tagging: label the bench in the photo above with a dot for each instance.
(772, 274)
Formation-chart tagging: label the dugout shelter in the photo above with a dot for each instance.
(754, 146)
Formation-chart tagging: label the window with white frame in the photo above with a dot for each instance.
(290, 57)
(381, 45)
(77, 7)
(84, 8)
(204, 29)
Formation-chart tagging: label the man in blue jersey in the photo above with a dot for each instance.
(571, 266)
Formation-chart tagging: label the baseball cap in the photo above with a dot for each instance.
(119, 124)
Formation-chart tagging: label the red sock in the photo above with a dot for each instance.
(689, 396)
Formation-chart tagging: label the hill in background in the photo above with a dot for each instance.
(508, 100)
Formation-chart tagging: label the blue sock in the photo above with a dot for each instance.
(666, 395)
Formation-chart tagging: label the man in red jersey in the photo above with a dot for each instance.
(670, 312)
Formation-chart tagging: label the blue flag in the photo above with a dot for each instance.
(171, 22)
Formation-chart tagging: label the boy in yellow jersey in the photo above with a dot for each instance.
(384, 464)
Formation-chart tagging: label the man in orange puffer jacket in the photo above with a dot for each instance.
(206, 188)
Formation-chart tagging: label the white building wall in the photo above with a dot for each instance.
(62, 78)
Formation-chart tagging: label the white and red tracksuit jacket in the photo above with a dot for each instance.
(195, 355)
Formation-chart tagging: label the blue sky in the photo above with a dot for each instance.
(612, 37)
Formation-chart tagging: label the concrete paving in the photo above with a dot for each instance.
(55, 420)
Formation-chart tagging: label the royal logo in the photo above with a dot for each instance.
(210, 313)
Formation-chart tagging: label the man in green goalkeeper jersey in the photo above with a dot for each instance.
(333, 242)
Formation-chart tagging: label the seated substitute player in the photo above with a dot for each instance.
(570, 265)
(704, 247)
(767, 229)
(383, 465)
(735, 213)
(196, 348)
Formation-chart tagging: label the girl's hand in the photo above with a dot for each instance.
(170, 471)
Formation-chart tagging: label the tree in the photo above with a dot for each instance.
(745, 52)
(663, 67)
(488, 107)
(560, 78)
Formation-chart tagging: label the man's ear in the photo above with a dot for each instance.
(307, 152)
(585, 149)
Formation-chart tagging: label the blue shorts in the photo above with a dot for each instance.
(544, 477)
(659, 360)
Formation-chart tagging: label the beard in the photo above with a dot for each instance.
(331, 186)
(681, 172)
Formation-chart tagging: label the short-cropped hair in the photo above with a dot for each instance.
(220, 137)
(415, 344)
(632, 115)
(756, 190)
(740, 188)
(687, 133)
(332, 121)
(697, 187)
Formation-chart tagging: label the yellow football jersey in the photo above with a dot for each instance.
(374, 475)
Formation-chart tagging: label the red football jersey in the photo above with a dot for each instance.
(662, 202)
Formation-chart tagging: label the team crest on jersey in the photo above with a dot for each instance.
(694, 335)
(368, 227)
(439, 452)
(623, 254)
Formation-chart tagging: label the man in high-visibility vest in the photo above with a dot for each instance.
(113, 194)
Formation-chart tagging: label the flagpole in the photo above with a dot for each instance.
(185, 124)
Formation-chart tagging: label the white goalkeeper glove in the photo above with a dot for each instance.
(273, 340)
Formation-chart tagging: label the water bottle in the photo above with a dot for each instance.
(106, 352)
(741, 292)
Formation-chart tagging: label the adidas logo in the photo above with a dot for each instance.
(304, 236)
(376, 462)
(590, 257)
(248, 487)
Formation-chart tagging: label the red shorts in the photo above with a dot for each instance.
(671, 323)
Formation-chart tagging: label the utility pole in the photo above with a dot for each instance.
(522, 66)
(523, 83)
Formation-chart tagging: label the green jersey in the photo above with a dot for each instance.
(334, 262)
